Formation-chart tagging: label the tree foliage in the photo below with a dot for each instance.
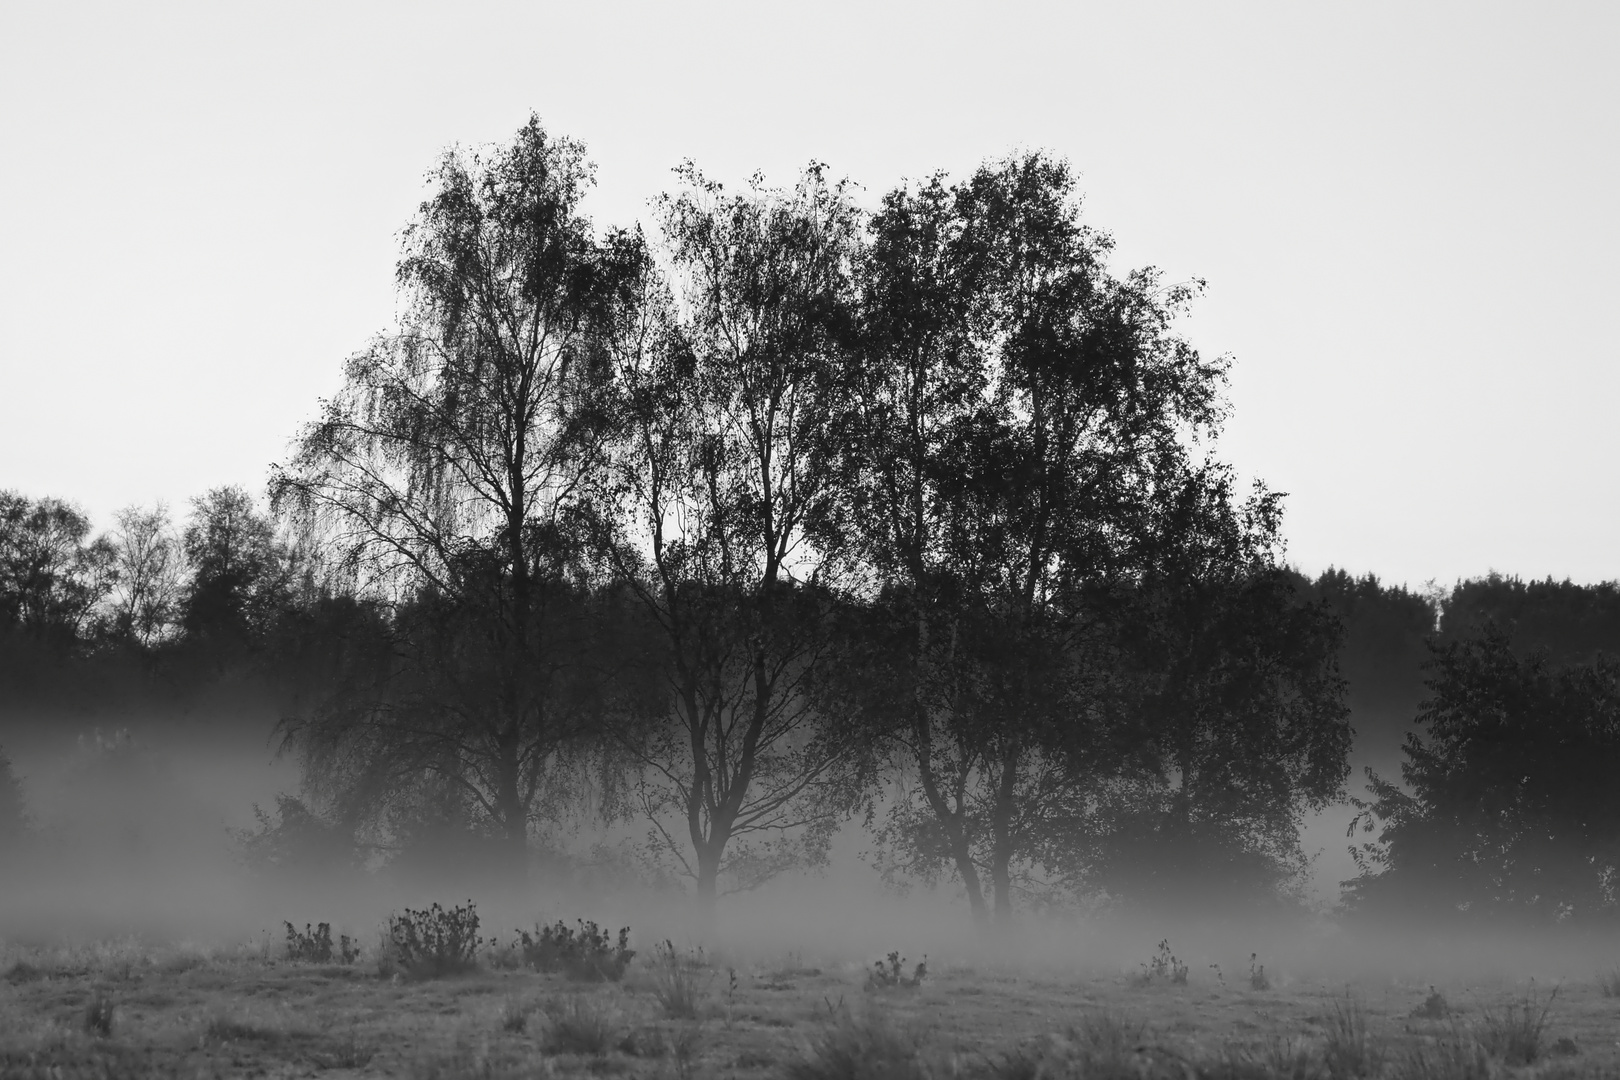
(444, 478)
(1509, 807)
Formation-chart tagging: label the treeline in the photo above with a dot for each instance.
(786, 514)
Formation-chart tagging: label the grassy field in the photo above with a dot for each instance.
(132, 1010)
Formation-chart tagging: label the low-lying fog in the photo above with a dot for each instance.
(137, 831)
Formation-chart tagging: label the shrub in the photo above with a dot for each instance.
(1164, 967)
(676, 983)
(1434, 1007)
(890, 972)
(434, 941)
(585, 955)
(1514, 1034)
(580, 1027)
(315, 946)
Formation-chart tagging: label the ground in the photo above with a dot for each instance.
(246, 1011)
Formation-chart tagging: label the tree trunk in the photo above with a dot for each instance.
(514, 815)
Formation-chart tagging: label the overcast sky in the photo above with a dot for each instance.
(1406, 213)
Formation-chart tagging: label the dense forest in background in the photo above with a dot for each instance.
(794, 514)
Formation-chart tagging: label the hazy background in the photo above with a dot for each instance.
(1405, 214)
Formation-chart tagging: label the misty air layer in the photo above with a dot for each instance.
(853, 606)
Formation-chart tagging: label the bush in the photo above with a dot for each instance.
(585, 955)
(1163, 967)
(434, 942)
(315, 946)
(890, 972)
(1515, 1034)
(1434, 1007)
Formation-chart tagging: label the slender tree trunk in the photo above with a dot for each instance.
(1002, 840)
(514, 815)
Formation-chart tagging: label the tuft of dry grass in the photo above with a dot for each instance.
(678, 983)
(1349, 1049)
(1515, 1033)
(864, 1048)
(1458, 1056)
(582, 1026)
(1609, 983)
(98, 1015)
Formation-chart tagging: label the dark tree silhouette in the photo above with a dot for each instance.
(1020, 411)
(149, 580)
(1511, 808)
(52, 574)
(445, 474)
(720, 489)
(1233, 707)
(240, 574)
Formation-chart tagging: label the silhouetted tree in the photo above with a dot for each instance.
(443, 479)
(1230, 697)
(240, 574)
(1572, 623)
(721, 485)
(1511, 807)
(149, 576)
(52, 574)
(1020, 411)
(1387, 629)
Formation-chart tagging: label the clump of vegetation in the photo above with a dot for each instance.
(1459, 1057)
(1102, 1046)
(1258, 979)
(23, 972)
(890, 972)
(1163, 967)
(514, 1017)
(1610, 983)
(315, 946)
(98, 1015)
(1350, 1049)
(676, 983)
(1515, 1034)
(585, 955)
(855, 1049)
(434, 942)
(1434, 1007)
(583, 1026)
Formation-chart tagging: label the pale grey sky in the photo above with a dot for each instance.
(1406, 214)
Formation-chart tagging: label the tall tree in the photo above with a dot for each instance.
(445, 474)
(240, 574)
(53, 575)
(1020, 411)
(149, 583)
(720, 491)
